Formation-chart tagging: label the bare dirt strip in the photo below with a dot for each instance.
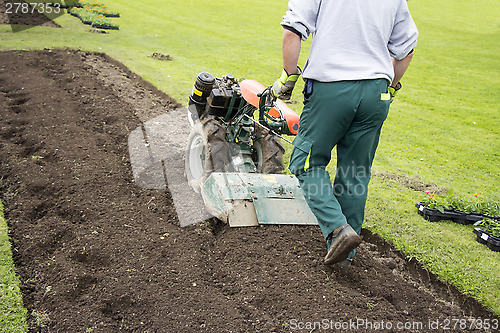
(95, 252)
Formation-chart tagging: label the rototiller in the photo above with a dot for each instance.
(236, 161)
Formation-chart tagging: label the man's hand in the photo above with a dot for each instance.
(393, 90)
(283, 87)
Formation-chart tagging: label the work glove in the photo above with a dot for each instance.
(394, 90)
(283, 86)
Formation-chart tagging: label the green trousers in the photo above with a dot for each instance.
(349, 115)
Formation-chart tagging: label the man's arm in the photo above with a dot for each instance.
(291, 51)
(283, 87)
(400, 67)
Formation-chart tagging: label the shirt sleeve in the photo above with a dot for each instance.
(302, 16)
(404, 34)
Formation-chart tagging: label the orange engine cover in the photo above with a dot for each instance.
(250, 89)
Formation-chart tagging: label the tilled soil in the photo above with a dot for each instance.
(95, 252)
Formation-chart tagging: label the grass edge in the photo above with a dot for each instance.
(13, 314)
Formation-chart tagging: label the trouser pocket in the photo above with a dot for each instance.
(308, 88)
(299, 160)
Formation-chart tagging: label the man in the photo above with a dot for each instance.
(359, 53)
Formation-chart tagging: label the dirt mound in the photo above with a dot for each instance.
(94, 251)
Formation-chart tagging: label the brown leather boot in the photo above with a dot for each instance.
(341, 242)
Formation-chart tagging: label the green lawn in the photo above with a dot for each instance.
(12, 313)
(443, 127)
